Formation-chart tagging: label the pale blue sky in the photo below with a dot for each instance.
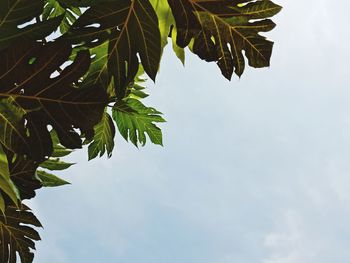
(253, 171)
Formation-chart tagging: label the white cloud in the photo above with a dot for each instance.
(288, 244)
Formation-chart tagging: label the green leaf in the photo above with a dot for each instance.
(135, 89)
(138, 94)
(167, 26)
(82, 3)
(12, 126)
(134, 120)
(180, 52)
(58, 149)
(221, 30)
(54, 9)
(15, 13)
(17, 235)
(97, 72)
(6, 184)
(2, 204)
(55, 164)
(50, 180)
(131, 29)
(8, 188)
(165, 18)
(103, 139)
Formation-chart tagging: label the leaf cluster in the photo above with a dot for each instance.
(72, 75)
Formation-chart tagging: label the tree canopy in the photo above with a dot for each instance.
(72, 73)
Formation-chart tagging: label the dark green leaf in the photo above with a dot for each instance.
(17, 235)
(221, 30)
(48, 99)
(12, 126)
(15, 13)
(22, 172)
(131, 28)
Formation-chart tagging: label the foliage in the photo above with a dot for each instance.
(17, 234)
(72, 71)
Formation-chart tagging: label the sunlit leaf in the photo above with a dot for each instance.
(54, 9)
(104, 138)
(180, 52)
(135, 120)
(167, 26)
(6, 184)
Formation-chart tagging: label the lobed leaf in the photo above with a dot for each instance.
(29, 75)
(135, 120)
(221, 30)
(18, 235)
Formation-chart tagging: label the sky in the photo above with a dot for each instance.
(255, 170)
